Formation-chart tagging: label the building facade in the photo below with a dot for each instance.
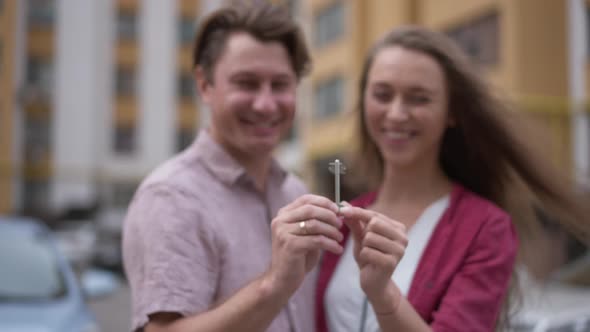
(94, 95)
(522, 46)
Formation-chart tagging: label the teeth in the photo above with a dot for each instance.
(397, 134)
(264, 124)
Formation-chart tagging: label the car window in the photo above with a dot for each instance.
(29, 268)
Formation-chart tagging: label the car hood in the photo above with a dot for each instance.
(40, 317)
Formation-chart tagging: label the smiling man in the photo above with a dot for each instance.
(221, 238)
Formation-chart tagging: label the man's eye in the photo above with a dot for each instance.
(247, 84)
(280, 86)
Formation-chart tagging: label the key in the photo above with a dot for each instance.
(337, 168)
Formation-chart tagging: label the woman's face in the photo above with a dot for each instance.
(405, 103)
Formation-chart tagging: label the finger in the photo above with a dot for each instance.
(310, 211)
(352, 212)
(388, 228)
(317, 200)
(357, 229)
(383, 244)
(306, 244)
(370, 256)
(315, 227)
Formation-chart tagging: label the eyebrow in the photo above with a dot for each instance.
(412, 88)
(249, 74)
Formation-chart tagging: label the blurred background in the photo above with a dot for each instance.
(95, 94)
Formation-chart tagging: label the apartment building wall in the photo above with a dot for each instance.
(80, 99)
(8, 29)
(520, 46)
(102, 92)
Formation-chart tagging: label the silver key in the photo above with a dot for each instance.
(337, 168)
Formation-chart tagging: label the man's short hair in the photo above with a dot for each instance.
(263, 20)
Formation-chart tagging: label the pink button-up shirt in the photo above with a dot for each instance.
(197, 231)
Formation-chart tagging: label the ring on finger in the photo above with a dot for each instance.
(303, 227)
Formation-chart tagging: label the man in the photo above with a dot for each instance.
(200, 250)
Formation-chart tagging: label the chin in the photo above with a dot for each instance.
(262, 146)
(399, 161)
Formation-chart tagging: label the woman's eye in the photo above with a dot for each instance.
(418, 100)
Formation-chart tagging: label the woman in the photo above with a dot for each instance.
(444, 159)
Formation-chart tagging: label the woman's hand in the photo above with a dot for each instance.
(379, 245)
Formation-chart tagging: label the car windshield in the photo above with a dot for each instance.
(29, 270)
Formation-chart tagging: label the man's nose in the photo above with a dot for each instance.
(265, 100)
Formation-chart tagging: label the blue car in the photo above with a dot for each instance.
(39, 292)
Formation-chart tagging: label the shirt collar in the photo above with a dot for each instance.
(224, 167)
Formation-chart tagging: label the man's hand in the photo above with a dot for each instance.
(299, 232)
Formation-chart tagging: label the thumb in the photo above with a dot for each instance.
(357, 228)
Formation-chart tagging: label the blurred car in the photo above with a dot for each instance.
(552, 306)
(76, 240)
(108, 252)
(38, 289)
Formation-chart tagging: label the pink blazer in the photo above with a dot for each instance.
(464, 273)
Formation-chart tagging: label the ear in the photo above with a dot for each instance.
(202, 83)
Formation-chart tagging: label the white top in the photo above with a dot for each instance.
(344, 296)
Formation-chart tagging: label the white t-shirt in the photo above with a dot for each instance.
(344, 297)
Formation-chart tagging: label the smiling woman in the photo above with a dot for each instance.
(440, 157)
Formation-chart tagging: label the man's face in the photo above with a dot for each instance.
(251, 97)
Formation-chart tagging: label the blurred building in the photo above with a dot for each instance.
(522, 46)
(94, 94)
(7, 60)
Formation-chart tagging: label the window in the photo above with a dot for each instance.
(479, 38)
(329, 24)
(125, 81)
(122, 193)
(127, 25)
(37, 139)
(186, 86)
(41, 13)
(329, 97)
(35, 196)
(184, 138)
(124, 140)
(40, 76)
(186, 30)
